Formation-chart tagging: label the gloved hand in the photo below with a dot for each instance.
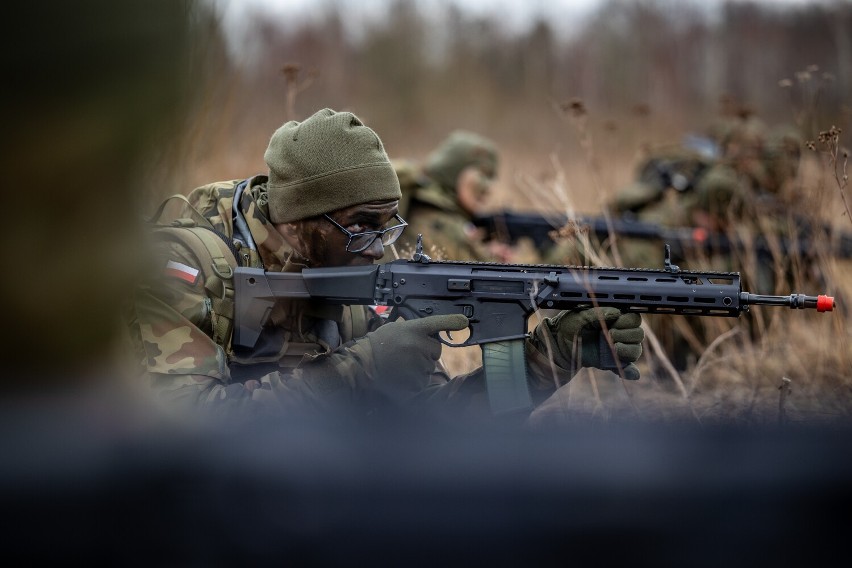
(580, 333)
(403, 353)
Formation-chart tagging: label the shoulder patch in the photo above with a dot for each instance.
(182, 271)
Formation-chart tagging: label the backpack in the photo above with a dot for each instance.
(215, 251)
(195, 230)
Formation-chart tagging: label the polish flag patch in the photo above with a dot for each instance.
(182, 271)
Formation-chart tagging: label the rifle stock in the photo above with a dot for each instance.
(498, 300)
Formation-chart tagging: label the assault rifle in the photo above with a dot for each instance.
(498, 299)
(510, 226)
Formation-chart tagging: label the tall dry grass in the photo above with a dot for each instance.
(772, 365)
(740, 363)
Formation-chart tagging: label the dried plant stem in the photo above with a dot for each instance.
(652, 340)
(710, 348)
(294, 86)
(830, 141)
(843, 180)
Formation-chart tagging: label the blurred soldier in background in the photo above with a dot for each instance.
(442, 195)
(664, 184)
(330, 208)
(658, 195)
(746, 194)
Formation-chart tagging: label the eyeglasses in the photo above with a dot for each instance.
(359, 242)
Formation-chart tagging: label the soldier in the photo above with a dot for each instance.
(664, 184)
(331, 197)
(741, 194)
(443, 195)
(664, 180)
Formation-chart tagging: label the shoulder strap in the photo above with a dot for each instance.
(198, 217)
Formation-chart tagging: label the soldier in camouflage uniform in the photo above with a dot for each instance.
(745, 190)
(664, 182)
(443, 195)
(741, 194)
(331, 198)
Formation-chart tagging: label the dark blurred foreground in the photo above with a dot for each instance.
(89, 481)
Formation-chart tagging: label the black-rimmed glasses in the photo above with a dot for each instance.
(359, 242)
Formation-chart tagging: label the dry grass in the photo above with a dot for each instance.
(773, 365)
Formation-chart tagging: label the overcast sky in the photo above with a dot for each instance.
(520, 11)
(516, 13)
(568, 15)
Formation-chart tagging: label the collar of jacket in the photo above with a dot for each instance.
(440, 197)
(271, 246)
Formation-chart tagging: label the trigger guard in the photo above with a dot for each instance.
(466, 343)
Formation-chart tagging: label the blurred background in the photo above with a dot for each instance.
(108, 107)
(644, 72)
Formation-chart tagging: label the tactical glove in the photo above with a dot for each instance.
(578, 338)
(402, 354)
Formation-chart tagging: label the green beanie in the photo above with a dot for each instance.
(460, 150)
(327, 162)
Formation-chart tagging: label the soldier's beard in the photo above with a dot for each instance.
(321, 244)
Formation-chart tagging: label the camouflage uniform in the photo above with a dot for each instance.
(174, 319)
(302, 359)
(658, 196)
(431, 198)
(751, 193)
(727, 195)
(447, 230)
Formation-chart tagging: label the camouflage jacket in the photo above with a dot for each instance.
(447, 230)
(173, 320)
(303, 359)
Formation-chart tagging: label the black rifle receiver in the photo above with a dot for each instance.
(498, 299)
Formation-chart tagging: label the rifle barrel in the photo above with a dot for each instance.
(821, 303)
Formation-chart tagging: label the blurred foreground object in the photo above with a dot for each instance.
(395, 494)
(87, 97)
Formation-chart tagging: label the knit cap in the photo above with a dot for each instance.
(327, 162)
(458, 151)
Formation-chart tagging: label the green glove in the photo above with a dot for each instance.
(580, 333)
(403, 353)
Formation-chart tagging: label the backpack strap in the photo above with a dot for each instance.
(200, 219)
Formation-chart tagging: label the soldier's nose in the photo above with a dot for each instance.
(375, 250)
